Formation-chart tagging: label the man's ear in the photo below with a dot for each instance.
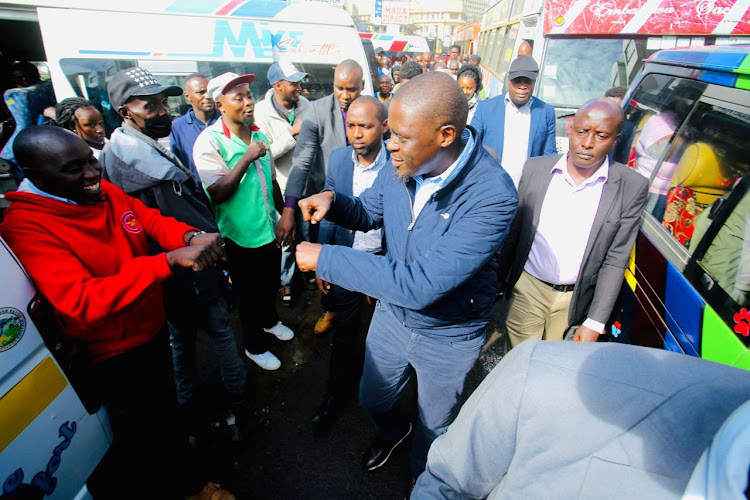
(448, 133)
(124, 113)
(385, 126)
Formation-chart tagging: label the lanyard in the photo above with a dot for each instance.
(290, 116)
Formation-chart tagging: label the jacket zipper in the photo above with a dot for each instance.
(411, 209)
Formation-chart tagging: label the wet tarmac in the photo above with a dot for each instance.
(278, 457)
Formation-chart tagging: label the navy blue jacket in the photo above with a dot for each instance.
(439, 276)
(339, 178)
(185, 130)
(489, 121)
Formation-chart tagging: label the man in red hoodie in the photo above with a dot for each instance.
(84, 243)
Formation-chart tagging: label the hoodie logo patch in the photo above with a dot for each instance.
(130, 223)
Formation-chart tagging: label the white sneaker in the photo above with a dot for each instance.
(267, 361)
(282, 332)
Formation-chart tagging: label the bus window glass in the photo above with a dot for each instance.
(517, 9)
(727, 259)
(510, 42)
(497, 48)
(579, 69)
(654, 114)
(711, 153)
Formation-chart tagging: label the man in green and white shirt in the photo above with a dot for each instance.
(239, 177)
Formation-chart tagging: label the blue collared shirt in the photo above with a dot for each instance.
(27, 186)
(426, 187)
(185, 130)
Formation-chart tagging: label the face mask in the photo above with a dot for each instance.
(158, 127)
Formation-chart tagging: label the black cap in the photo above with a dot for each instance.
(475, 57)
(136, 82)
(523, 66)
(379, 50)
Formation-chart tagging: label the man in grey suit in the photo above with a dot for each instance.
(564, 420)
(576, 224)
(322, 132)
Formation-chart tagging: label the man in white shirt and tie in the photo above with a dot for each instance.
(570, 241)
(516, 125)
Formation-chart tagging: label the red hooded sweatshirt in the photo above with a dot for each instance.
(93, 264)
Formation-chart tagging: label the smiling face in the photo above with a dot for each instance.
(237, 105)
(67, 168)
(288, 92)
(594, 134)
(89, 124)
(520, 89)
(414, 142)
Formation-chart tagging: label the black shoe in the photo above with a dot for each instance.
(410, 488)
(325, 416)
(379, 452)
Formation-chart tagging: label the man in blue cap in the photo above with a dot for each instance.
(279, 116)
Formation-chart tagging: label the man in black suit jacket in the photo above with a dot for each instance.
(576, 224)
(351, 170)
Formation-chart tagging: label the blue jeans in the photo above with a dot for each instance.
(393, 353)
(214, 319)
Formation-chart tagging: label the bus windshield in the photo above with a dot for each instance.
(578, 69)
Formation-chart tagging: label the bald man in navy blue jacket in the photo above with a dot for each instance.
(445, 206)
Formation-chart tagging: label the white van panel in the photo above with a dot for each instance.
(76, 34)
(62, 441)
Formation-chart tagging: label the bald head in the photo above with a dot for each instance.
(370, 105)
(596, 128)
(35, 146)
(603, 108)
(59, 162)
(436, 98)
(349, 67)
(347, 82)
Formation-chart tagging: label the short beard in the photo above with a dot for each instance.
(365, 151)
(249, 122)
(402, 178)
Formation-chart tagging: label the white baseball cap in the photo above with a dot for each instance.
(227, 81)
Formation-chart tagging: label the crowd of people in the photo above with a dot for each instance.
(419, 206)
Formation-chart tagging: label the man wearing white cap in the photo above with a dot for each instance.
(279, 116)
(238, 175)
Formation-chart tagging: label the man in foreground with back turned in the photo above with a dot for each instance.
(445, 207)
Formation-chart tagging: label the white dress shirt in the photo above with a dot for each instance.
(516, 139)
(364, 177)
(565, 222)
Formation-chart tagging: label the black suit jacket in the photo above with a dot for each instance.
(607, 250)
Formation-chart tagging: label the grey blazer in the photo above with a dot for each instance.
(607, 250)
(322, 132)
(586, 421)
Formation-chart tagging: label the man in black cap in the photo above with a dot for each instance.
(137, 163)
(516, 125)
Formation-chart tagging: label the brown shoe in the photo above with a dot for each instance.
(324, 322)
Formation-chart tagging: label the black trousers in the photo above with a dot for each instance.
(149, 453)
(255, 280)
(347, 355)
